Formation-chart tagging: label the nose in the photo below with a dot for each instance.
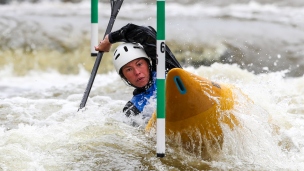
(136, 71)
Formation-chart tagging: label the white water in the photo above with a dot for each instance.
(252, 34)
(42, 130)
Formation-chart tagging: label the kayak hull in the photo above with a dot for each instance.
(196, 109)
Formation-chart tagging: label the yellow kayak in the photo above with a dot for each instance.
(195, 109)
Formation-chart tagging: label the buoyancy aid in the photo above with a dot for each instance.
(141, 98)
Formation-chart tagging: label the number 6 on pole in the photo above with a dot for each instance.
(161, 79)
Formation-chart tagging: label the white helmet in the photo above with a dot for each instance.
(127, 52)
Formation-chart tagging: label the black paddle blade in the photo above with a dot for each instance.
(115, 6)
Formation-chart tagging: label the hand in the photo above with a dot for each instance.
(104, 45)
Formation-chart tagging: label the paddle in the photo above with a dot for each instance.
(115, 6)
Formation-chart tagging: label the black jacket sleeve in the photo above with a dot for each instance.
(146, 36)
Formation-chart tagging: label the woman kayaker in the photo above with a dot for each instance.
(135, 62)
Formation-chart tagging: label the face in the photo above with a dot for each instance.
(137, 72)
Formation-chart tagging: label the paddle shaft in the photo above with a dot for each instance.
(115, 6)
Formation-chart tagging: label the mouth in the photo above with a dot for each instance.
(140, 79)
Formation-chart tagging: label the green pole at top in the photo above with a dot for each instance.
(94, 26)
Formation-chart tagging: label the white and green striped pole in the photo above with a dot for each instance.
(94, 26)
(161, 79)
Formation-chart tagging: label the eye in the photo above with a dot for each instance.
(128, 69)
(140, 63)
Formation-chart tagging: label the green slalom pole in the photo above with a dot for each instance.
(94, 26)
(161, 78)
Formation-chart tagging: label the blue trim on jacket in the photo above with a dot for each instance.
(142, 99)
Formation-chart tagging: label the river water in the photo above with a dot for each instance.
(45, 64)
